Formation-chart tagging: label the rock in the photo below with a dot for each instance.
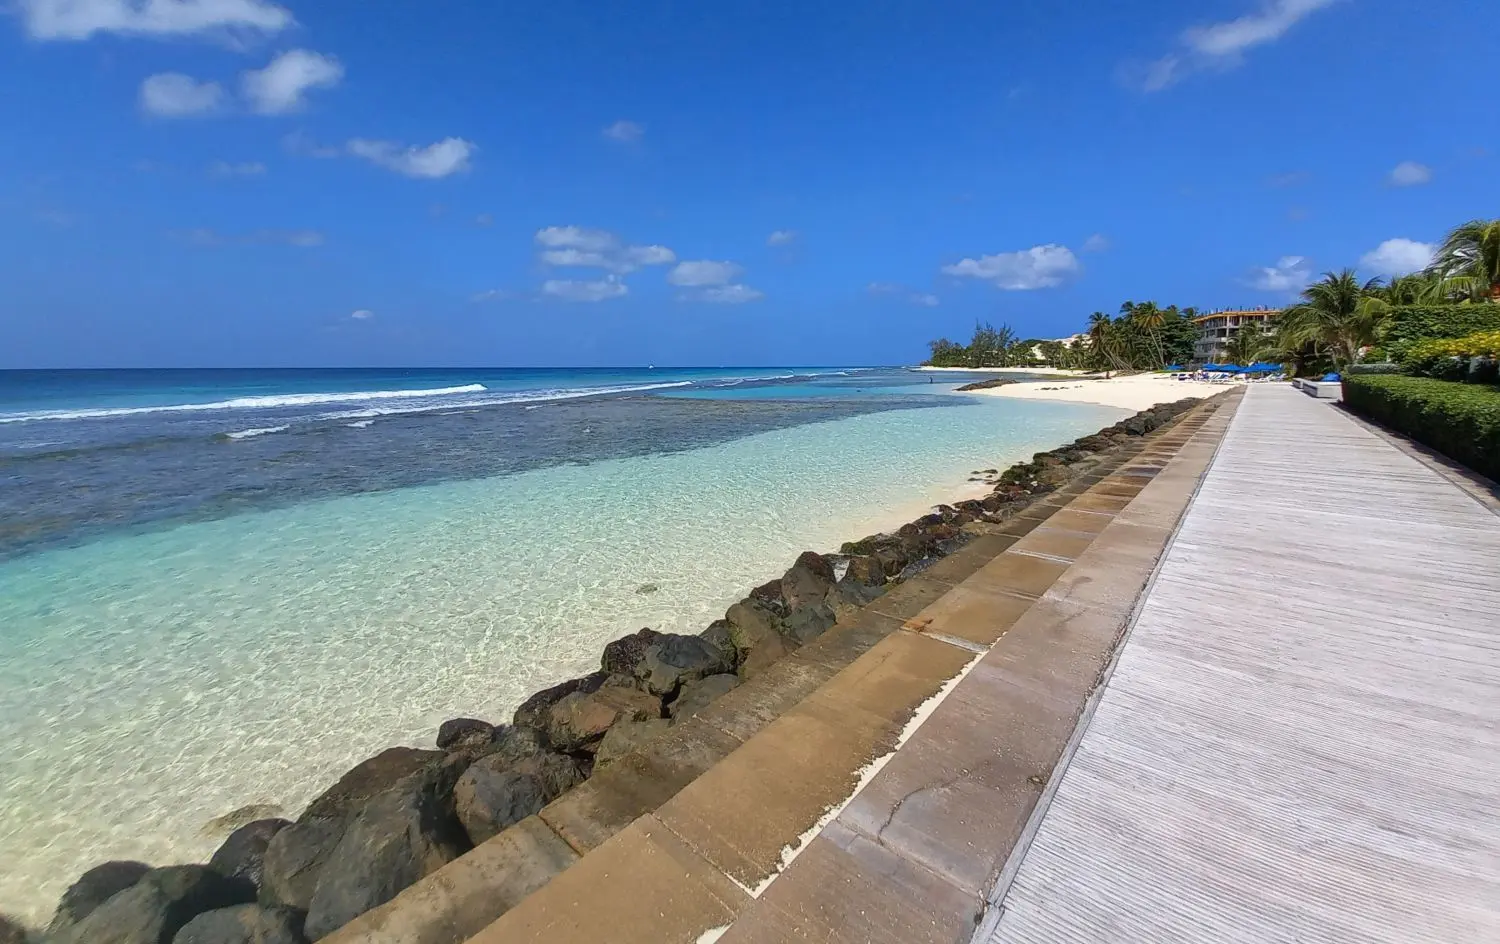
(695, 696)
(234, 819)
(464, 733)
(756, 633)
(243, 854)
(94, 888)
(863, 546)
(294, 859)
(985, 384)
(769, 593)
(623, 655)
(368, 778)
(807, 582)
(626, 737)
(865, 570)
(848, 597)
(155, 908)
(494, 793)
(534, 711)
(244, 924)
(400, 836)
(647, 588)
(515, 744)
(672, 660)
(717, 635)
(11, 932)
(578, 721)
(807, 623)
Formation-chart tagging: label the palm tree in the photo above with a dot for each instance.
(1246, 344)
(1469, 259)
(1338, 313)
(1149, 319)
(1418, 288)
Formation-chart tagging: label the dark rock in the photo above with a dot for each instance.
(717, 635)
(863, 546)
(807, 582)
(11, 932)
(623, 655)
(807, 623)
(848, 597)
(647, 588)
(244, 924)
(464, 733)
(155, 908)
(769, 593)
(755, 631)
(672, 660)
(399, 837)
(516, 744)
(578, 721)
(368, 778)
(865, 570)
(534, 711)
(294, 859)
(243, 854)
(234, 819)
(94, 888)
(695, 696)
(985, 384)
(494, 793)
(626, 737)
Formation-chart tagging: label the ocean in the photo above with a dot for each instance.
(225, 587)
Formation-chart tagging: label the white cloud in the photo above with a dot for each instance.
(781, 237)
(1222, 45)
(244, 169)
(574, 290)
(1096, 243)
(279, 88)
(703, 273)
(1398, 257)
(1038, 267)
(362, 314)
(81, 19)
(895, 289)
(445, 157)
(597, 249)
(174, 95)
(626, 131)
(1289, 274)
(729, 294)
(301, 238)
(1409, 174)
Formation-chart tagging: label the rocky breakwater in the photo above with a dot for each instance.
(406, 812)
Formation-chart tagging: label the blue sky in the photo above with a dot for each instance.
(258, 183)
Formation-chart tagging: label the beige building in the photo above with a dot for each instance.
(1216, 328)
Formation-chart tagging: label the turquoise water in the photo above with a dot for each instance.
(153, 679)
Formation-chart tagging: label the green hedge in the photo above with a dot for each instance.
(1462, 421)
(1377, 367)
(1419, 322)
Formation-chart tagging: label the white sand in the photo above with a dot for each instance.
(1136, 392)
(1050, 371)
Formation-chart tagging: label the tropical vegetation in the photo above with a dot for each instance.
(1460, 420)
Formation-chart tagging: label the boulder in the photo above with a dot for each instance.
(155, 908)
(94, 888)
(577, 722)
(672, 660)
(849, 597)
(368, 778)
(514, 744)
(695, 696)
(294, 859)
(494, 793)
(807, 582)
(243, 854)
(717, 635)
(623, 655)
(535, 710)
(865, 570)
(755, 631)
(464, 733)
(626, 737)
(399, 837)
(229, 822)
(244, 924)
(770, 594)
(11, 931)
(807, 623)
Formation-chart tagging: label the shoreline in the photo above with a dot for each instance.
(558, 737)
(1050, 371)
(1132, 392)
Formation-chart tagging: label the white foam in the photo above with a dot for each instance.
(252, 433)
(242, 403)
(502, 399)
(359, 424)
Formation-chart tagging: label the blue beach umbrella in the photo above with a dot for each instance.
(1173, 367)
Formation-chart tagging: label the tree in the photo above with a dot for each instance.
(1418, 288)
(946, 353)
(1101, 340)
(1246, 344)
(1469, 259)
(1338, 313)
(1150, 320)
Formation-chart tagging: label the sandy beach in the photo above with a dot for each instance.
(1050, 371)
(1135, 392)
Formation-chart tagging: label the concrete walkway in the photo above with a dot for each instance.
(1301, 738)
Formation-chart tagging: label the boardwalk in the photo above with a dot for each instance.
(1301, 739)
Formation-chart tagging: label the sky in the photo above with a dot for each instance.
(202, 183)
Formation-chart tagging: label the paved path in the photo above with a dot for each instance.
(1301, 739)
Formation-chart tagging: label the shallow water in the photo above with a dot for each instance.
(152, 678)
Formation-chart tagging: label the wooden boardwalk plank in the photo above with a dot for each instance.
(1301, 739)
